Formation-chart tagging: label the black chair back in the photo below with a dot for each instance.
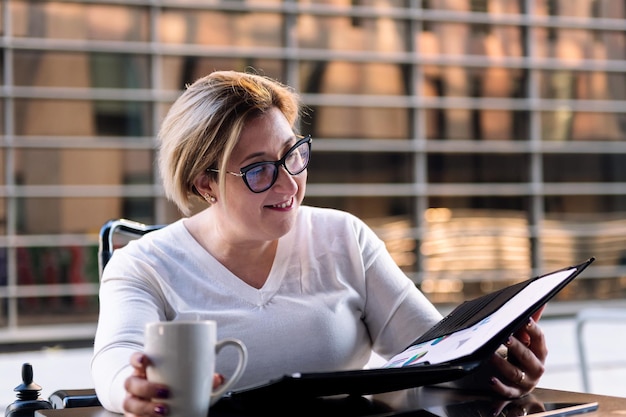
(122, 227)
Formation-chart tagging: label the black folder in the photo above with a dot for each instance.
(455, 347)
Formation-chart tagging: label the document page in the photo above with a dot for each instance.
(467, 341)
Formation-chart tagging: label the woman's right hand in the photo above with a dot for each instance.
(144, 398)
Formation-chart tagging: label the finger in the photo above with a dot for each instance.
(532, 337)
(537, 314)
(139, 361)
(505, 390)
(218, 379)
(534, 317)
(538, 340)
(145, 390)
(517, 375)
(134, 406)
(525, 359)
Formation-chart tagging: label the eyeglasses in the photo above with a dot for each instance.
(260, 176)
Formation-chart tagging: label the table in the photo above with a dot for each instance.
(405, 403)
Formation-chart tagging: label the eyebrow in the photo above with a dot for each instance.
(288, 144)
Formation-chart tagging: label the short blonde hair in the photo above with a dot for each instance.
(204, 124)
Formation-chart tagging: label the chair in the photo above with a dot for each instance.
(113, 235)
(127, 229)
(593, 314)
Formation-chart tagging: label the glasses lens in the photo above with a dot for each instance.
(298, 159)
(261, 176)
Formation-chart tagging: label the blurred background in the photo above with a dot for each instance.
(483, 140)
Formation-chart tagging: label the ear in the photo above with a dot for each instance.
(204, 184)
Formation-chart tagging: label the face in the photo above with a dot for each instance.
(268, 215)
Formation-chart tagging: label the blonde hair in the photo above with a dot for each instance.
(204, 124)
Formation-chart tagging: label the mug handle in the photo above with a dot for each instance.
(241, 366)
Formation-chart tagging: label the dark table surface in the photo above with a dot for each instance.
(415, 402)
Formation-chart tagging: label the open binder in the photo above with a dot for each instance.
(455, 347)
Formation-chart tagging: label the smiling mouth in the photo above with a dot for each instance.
(283, 205)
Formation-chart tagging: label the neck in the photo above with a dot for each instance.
(250, 261)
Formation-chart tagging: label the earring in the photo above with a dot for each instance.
(209, 198)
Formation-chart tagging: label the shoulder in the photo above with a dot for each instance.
(319, 215)
(168, 235)
(331, 222)
(150, 249)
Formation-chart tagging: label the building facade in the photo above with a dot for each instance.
(483, 140)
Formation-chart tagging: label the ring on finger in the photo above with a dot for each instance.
(521, 378)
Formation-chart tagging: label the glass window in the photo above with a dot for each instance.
(40, 166)
(477, 124)
(221, 28)
(341, 77)
(49, 215)
(357, 122)
(577, 227)
(3, 224)
(365, 3)
(81, 70)
(347, 33)
(494, 203)
(243, 2)
(489, 82)
(565, 124)
(179, 71)
(60, 20)
(574, 45)
(474, 245)
(483, 6)
(478, 168)
(355, 167)
(585, 167)
(367, 208)
(581, 8)
(568, 84)
(1, 61)
(39, 268)
(82, 118)
(446, 38)
(4, 161)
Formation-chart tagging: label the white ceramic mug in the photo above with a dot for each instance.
(182, 355)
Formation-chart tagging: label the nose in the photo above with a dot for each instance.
(286, 183)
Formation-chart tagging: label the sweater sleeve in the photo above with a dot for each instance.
(396, 312)
(126, 304)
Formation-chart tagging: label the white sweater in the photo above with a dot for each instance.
(333, 295)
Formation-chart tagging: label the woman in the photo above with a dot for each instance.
(290, 281)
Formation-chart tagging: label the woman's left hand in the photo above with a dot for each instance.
(519, 372)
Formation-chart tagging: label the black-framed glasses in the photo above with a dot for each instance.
(260, 176)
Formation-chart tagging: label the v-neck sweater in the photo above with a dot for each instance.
(333, 295)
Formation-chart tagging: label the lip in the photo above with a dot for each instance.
(285, 205)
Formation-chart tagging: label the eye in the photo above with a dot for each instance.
(260, 171)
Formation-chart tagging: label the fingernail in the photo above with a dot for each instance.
(163, 393)
(222, 379)
(508, 341)
(530, 323)
(160, 409)
(492, 380)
